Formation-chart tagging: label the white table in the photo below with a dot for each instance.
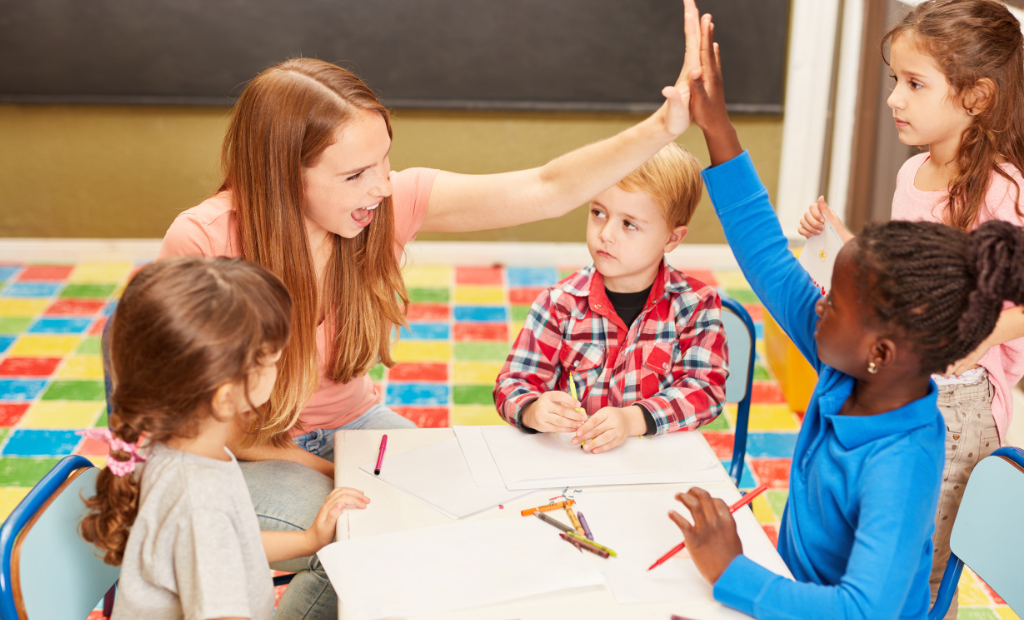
(391, 510)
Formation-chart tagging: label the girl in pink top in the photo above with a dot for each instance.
(958, 67)
(308, 193)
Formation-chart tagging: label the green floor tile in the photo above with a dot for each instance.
(718, 424)
(75, 390)
(3, 434)
(761, 373)
(377, 373)
(90, 346)
(777, 500)
(519, 313)
(88, 291)
(18, 472)
(481, 351)
(102, 422)
(424, 295)
(976, 613)
(472, 395)
(14, 325)
(564, 273)
(742, 295)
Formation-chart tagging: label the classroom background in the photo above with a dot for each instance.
(110, 128)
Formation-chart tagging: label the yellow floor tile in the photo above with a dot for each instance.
(514, 329)
(476, 294)
(44, 346)
(61, 414)
(971, 592)
(771, 418)
(731, 279)
(98, 461)
(421, 351)
(9, 499)
(475, 372)
(81, 367)
(1005, 613)
(13, 306)
(100, 273)
(417, 276)
(763, 510)
(475, 415)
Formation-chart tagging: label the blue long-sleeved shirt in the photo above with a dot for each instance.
(863, 490)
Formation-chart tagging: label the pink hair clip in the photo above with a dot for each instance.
(118, 468)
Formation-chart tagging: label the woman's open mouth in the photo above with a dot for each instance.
(364, 215)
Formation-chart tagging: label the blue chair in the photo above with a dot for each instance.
(739, 328)
(47, 570)
(987, 534)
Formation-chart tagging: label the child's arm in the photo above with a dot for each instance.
(741, 202)
(281, 546)
(524, 390)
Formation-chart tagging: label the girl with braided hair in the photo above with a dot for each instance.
(958, 71)
(194, 347)
(907, 300)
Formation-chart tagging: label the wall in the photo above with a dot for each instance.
(125, 172)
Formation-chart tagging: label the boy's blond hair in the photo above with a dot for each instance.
(672, 179)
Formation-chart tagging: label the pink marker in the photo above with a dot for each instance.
(380, 455)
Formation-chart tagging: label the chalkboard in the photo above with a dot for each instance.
(489, 54)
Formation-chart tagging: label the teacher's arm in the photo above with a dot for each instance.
(461, 202)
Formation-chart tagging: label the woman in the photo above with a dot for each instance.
(309, 193)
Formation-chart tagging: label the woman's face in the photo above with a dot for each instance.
(350, 179)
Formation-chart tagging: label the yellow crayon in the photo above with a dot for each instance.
(572, 392)
(575, 521)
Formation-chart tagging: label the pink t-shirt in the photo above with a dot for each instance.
(1004, 363)
(209, 230)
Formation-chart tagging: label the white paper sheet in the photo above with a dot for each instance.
(549, 460)
(478, 456)
(819, 256)
(637, 527)
(438, 476)
(452, 567)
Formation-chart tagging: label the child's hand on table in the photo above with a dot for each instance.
(609, 427)
(813, 222)
(553, 412)
(712, 539)
(324, 527)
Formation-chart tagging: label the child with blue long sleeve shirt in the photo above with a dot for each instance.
(907, 299)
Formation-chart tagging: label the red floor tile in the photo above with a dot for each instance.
(52, 273)
(93, 447)
(75, 307)
(29, 366)
(478, 275)
(425, 417)
(481, 331)
(10, 413)
(773, 472)
(756, 312)
(523, 296)
(998, 600)
(704, 275)
(721, 443)
(765, 392)
(97, 327)
(418, 372)
(428, 312)
(772, 532)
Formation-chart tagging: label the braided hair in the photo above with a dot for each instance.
(942, 288)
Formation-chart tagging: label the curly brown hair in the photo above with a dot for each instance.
(183, 328)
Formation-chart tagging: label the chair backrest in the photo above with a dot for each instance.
(48, 571)
(739, 328)
(988, 534)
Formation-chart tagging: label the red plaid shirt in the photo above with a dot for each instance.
(672, 361)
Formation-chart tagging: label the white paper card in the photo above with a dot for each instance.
(438, 476)
(550, 460)
(452, 567)
(819, 256)
(637, 527)
(478, 456)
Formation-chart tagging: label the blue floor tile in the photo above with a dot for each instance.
(5, 342)
(417, 394)
(110, 307)
(747, 479)
(426, 331)
(49, 325)
(41, 443)
(7, 272)
(774, 445)
(531, 276)
(32, 289)
(21, 389)
(479, 314)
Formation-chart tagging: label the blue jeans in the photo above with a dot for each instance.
(287, 497)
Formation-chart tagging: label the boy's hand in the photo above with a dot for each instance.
(712, 539)
(553, 412)
(609, 427)
(324, 527)
(813, 222)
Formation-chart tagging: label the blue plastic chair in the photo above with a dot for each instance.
(987, 534)
(739, 328)
(47, 570)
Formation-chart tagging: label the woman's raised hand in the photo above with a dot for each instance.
(677, 97)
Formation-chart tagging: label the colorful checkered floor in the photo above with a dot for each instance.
(462, 320)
